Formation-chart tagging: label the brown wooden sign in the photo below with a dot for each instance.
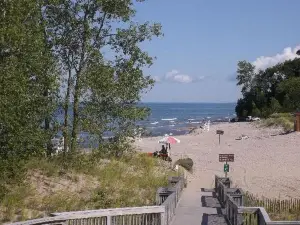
(221, 132)
(226, 157)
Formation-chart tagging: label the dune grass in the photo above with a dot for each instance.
(285, 216)
(284, 120)
(84, 182)
(278, 210)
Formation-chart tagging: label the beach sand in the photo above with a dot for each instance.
(266, 164)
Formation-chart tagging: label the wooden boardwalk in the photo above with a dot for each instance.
(198, 206)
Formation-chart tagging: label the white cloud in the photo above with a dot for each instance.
(264, 62)
(171, 74)
(182, 78)
(176, 76)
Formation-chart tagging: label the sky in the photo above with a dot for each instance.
(196, 60)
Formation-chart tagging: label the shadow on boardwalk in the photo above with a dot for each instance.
(199, 206)
(213, 203)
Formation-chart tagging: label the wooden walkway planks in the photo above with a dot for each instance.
(198, 207)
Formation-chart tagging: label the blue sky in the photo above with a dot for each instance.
(204, 39)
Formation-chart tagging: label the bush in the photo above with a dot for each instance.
(285, 115)
(284, 120)
(186, 163)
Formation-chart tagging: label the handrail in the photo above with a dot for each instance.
(98, 214)
(173, 195)
(233, 201)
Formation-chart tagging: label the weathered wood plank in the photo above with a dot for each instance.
(115, 211)
(64, 217)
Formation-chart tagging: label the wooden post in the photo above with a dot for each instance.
(219, 138)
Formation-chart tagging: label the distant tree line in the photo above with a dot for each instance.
(67, 54)
(273, 90)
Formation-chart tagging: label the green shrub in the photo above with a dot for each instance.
(284, 120)
(285, 115)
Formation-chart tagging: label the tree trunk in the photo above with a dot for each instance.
(66, 109)
(75, 114)
(78, 86)
(49, 143)
(47, 128)
(46, 91)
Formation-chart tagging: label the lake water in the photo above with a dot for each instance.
(174, 118)
(177, 118)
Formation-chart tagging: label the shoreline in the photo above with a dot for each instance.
(187, 129)
(266, 163)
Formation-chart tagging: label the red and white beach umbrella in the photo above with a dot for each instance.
(169, 140)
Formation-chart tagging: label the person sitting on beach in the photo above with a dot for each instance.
(163, 150)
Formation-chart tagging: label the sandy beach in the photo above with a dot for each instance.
(266, 164)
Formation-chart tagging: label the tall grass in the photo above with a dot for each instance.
(83, 182)
(284, 120)
(288, 209)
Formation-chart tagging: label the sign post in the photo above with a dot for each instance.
(220, 132)
(226, 158)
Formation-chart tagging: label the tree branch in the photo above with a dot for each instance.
(101, 26)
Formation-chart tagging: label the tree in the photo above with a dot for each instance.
(245, 75)
(254, 110)
(27, 81)
(271, 90)
(291, 88)
(275, 105)
(82, 31)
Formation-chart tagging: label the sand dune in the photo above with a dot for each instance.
(266, 164)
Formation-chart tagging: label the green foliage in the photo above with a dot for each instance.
(28, 80)
(255, 111)
(110, 89)
(245, 75)
(284, 120)
(291, 88)
(53, 54)
(275, 89)
(289, 116)
(275, 105)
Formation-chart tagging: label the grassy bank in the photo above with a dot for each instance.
(284, 120)
(84, 182)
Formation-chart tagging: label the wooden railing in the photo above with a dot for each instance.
(235, 212)
(161, 214)
(138, 215)
(176, 185)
